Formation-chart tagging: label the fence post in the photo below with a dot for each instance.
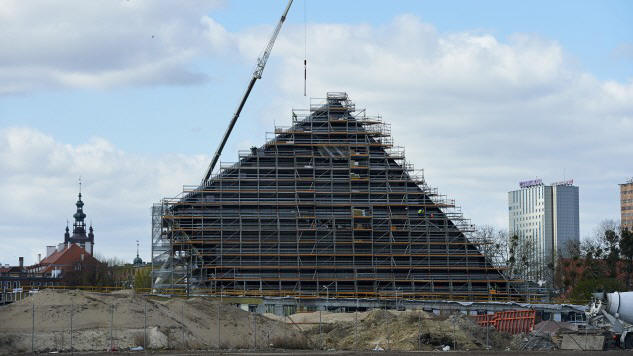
(33, 327)
(111, 324)
(419, 330)
(453, 323)
(356, 326)
(255, 327)
(585, 337)
(320, 329)
(71, 328)
(218, 323)
(182, 321)
(145, 328)
(487, 328)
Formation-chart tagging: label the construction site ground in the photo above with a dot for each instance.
(171, 324)
(119, 320)
(395, 330)
(362, 353)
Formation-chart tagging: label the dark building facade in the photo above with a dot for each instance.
(16, 280)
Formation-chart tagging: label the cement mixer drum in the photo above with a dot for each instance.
(620, 305)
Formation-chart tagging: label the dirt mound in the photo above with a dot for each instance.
(402, 330)
(309, 320)
(172, 324)
(482, 338)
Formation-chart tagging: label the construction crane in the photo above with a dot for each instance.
(257, 74)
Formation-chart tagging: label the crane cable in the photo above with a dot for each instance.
(305, 48)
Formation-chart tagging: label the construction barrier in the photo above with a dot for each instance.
(510, 321)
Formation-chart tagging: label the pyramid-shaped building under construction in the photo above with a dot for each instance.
(327, 205)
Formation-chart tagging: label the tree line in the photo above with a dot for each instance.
(109, 272)
(600, 262)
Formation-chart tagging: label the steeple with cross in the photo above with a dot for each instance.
(137, 261)
(79, 227)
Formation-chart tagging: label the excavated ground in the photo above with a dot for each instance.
(172, 324)
(101, 321)
(396, 330)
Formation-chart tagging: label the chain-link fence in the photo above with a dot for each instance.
(107, 322)
(80, 321)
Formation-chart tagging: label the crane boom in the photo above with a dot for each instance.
(257, 74)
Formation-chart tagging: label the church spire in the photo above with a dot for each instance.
(137, 261)
(79, 215)
(67, 233)
(79, 234)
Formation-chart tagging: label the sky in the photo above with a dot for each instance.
(134, 95)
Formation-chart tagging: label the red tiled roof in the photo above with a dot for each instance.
(66, 259)
(54, 256)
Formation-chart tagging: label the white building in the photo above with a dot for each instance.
(545, 218)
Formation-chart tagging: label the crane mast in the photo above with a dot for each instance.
(257, 74)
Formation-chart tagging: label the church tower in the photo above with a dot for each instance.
(79, 229)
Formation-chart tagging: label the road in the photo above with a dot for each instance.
(362, 353)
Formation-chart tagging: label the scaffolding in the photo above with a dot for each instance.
(326, 205)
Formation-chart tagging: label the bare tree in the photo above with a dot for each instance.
(572, 249)
(494, 244)
(607, 239)
(600, 239)
(522, 258)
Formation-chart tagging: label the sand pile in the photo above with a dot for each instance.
(306, 321)
(172, 324)
(396, 330)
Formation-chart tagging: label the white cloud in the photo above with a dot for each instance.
(103, 43)
(39, 186)
(477, 113)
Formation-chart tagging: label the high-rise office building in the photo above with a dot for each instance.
(545, 219)
(626, 204)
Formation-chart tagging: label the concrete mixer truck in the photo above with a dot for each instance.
(617, 310)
